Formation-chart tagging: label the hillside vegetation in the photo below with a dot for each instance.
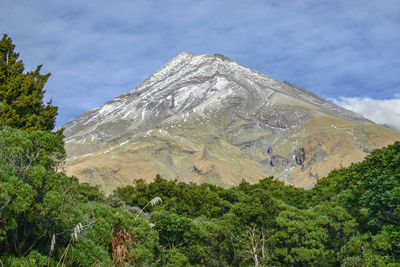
(350, 218)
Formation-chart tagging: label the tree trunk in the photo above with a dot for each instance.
(253, 245)
(262, 244)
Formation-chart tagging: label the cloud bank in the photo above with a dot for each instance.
(386, 111)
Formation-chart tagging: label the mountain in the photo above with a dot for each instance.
(209, 119)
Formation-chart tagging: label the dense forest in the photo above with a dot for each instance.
(349, 218)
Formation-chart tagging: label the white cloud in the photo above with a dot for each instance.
(386, 111)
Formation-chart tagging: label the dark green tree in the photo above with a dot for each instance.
(21, 93)
(47, 217)
(250, 223)
(370, 191)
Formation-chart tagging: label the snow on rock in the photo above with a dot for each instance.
(188, 83)
(124, 143)
(163, 132)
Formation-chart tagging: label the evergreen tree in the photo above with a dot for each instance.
(21, 94)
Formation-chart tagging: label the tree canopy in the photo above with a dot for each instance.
(21, 93)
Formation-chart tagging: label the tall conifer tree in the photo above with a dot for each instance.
(21, 93)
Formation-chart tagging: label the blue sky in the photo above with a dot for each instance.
(347, 51)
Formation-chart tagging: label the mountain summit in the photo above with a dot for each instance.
(209, 119)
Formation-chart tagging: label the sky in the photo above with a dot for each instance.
(346, 51)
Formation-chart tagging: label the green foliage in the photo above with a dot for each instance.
(197, 240)
(370, 191)
(360, 250)
(34, 259)
(250, 223)
(39, 204)
(350, 218)
(173, 258)
(28, 182)
(297, 197)
(21, 94)
(96, 241)
(311, 237)
(185, 199)
(299, 239)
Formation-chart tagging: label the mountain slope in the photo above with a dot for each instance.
(209, 119)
